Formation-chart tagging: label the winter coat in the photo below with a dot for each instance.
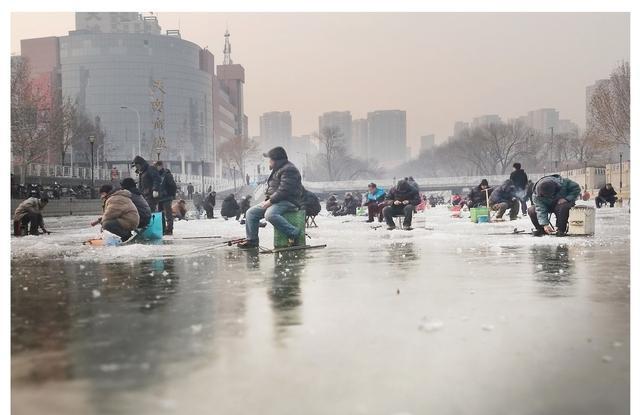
(332, 204)
(519, 179)
(311, 203)
(477, 196)
(229, 207)
(178, 209)
(144, 211)
(168, 186)
(284, 183)
(567, 189)
(503, 193)
(377, 196)
(245, 204)
(149, 181)
(348, 207)
(605, 193)
(210, 200)
(190, 189)
(29, 206)
(120, 207)
(408, 192)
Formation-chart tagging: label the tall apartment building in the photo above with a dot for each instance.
(387, 136)
(275, 129)
(341, 120)
(427, 142)
(360, 138)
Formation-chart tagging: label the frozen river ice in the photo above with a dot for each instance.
(443, 320)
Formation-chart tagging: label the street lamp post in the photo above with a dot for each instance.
(620, 175)
(124, 107)
(92, 139)
(202, 174)
(234, 179)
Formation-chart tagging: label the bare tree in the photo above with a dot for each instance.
(610, 107)
(64, 123)
(29, 118)
(332, 146)
(236, 150)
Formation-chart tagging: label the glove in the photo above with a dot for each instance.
(155, 194)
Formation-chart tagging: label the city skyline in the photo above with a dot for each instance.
(468, 73)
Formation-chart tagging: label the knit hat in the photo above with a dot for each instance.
(138, 160)
(105, 188)
(128, 183)
(484, 182)
(546, 187)
(276, 153)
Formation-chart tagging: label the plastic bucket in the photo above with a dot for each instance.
(153, 231)
(483, 219)
(478, 211)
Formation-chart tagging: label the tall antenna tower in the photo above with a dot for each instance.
(227, 48)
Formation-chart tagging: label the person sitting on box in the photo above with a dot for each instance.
(284, 194)
(607, 194)
(552, 194)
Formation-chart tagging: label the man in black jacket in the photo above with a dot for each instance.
(209, 203)
(504, 197)
(520, 181)
(284, 194)
(136, 197)
(478, 195)
(168, 189)
(404, 198)
(148, 182)
(607, 194)
(230, 207)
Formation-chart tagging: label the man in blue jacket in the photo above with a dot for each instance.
(552, 194)
(375, 202)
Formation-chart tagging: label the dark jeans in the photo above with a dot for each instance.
(603, 201)
(167, 216)
(561, 212)
(398, 210)
(115, 228)
(209, 210)
(502, 207)
(375, 210)
(29, 222)
(523, 205)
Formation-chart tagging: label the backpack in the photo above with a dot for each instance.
(168, 184)
(311, 203)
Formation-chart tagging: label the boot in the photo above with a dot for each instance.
(248, 244)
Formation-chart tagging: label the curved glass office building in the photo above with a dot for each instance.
(108, 71)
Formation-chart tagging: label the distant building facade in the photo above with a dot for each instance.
(387, 136)
(116, 60)
(275, 129)
(485, 120)
(360, 138)
(427, 142)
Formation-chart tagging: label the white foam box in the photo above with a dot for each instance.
(582, 220)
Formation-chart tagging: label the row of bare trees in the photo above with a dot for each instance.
(334, 162)
(493, 148)
(42, 122)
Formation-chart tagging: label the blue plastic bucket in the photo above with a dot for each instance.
(483, 219)
(153, 230)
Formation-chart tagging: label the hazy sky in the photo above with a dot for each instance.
(439, 67)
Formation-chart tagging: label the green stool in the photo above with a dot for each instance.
(297, 219)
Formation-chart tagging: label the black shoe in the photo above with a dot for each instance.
(369, 220)
(538, 232)
(292, 242)
(390, 228)
(167, 233)
(407, 228)
(248, 245)
(560, 234)
(242, 222)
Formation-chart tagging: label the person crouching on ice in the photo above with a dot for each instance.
(552, 194)
(119, 214)
(284, 194)
(28, 216)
